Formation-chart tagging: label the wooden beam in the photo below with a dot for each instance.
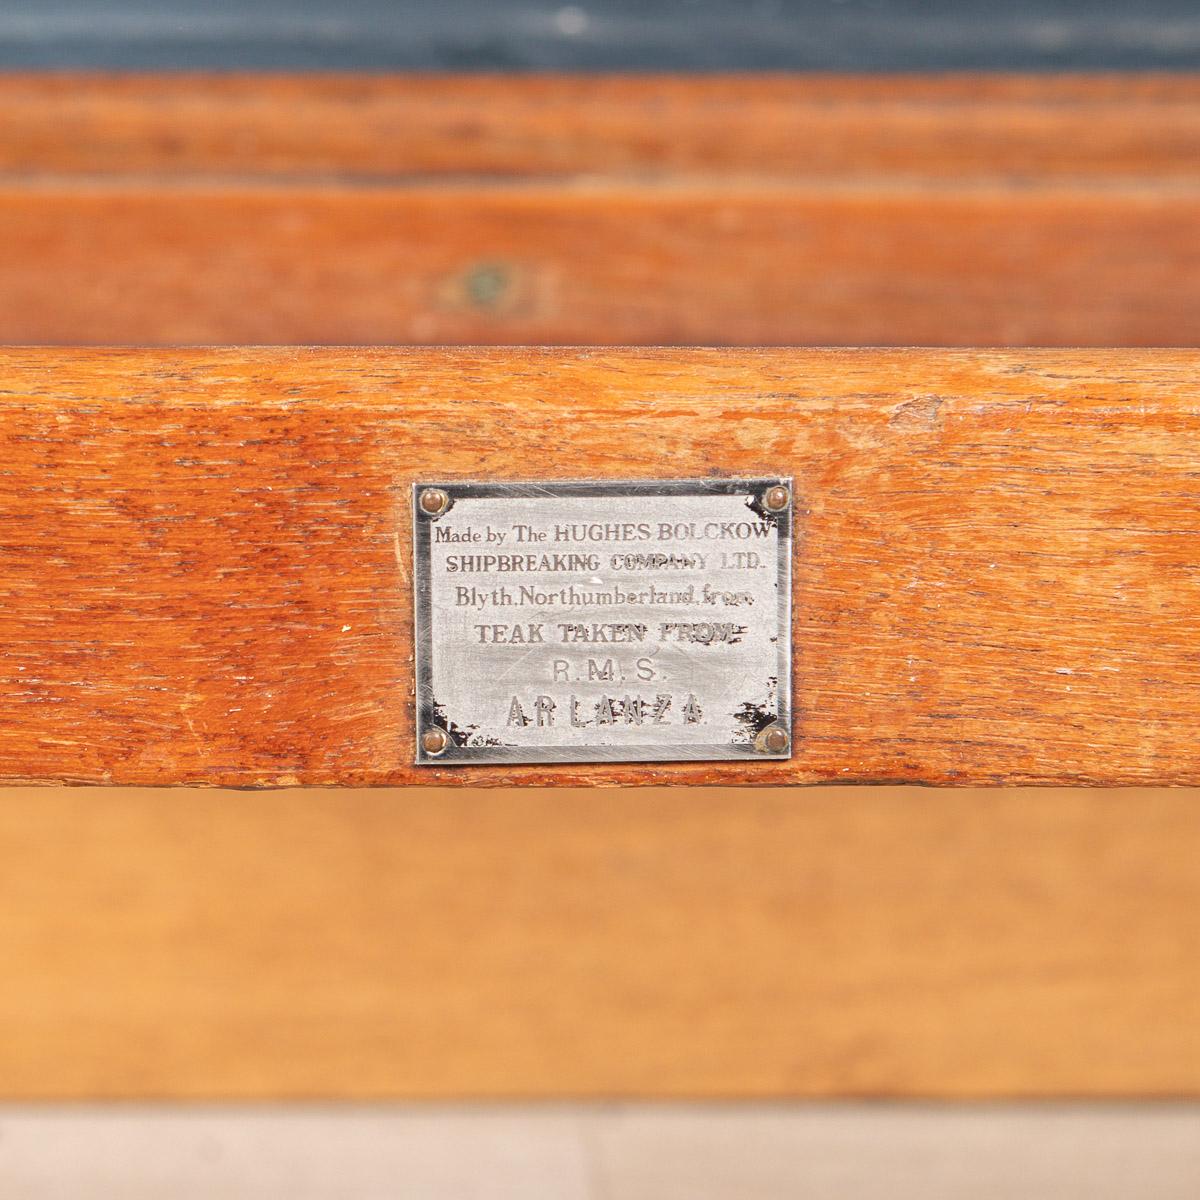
(391, 128)
(205, 555)
(963, 211)
(189, 944)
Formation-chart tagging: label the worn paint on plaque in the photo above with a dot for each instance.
(591, 621)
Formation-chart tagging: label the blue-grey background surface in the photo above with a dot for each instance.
(633, 35)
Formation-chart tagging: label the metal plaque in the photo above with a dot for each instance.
(603, 621)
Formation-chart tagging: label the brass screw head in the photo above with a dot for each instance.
(488, 285)
(434, 741)
(434, 502)
(772, 740)
(777, 498)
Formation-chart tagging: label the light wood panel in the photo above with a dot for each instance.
(533, 943)
(205, 556)
(848, 211)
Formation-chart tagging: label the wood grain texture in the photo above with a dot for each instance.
(825, 942)
(308, 127)
(205, 555)
(848, 211)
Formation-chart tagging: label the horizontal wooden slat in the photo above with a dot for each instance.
(306, 127)
(844, 211)
(205, 555)
(828, 942)
(741, 265)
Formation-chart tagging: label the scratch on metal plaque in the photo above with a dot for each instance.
(598, 621)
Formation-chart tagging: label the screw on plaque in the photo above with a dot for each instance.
(434, 502)
(776, 498)
(772, 740)
(435, 741)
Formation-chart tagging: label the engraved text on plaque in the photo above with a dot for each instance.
(602, 621)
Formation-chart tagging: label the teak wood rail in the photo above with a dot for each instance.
(205, 555)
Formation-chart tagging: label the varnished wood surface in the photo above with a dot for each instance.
(308, 127)
(534, 943)
(600, 264)
(205, 556)
(727, 210)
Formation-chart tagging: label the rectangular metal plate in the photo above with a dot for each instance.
(602, 621)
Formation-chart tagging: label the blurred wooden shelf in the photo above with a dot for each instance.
(191, 944)
(600, 210)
